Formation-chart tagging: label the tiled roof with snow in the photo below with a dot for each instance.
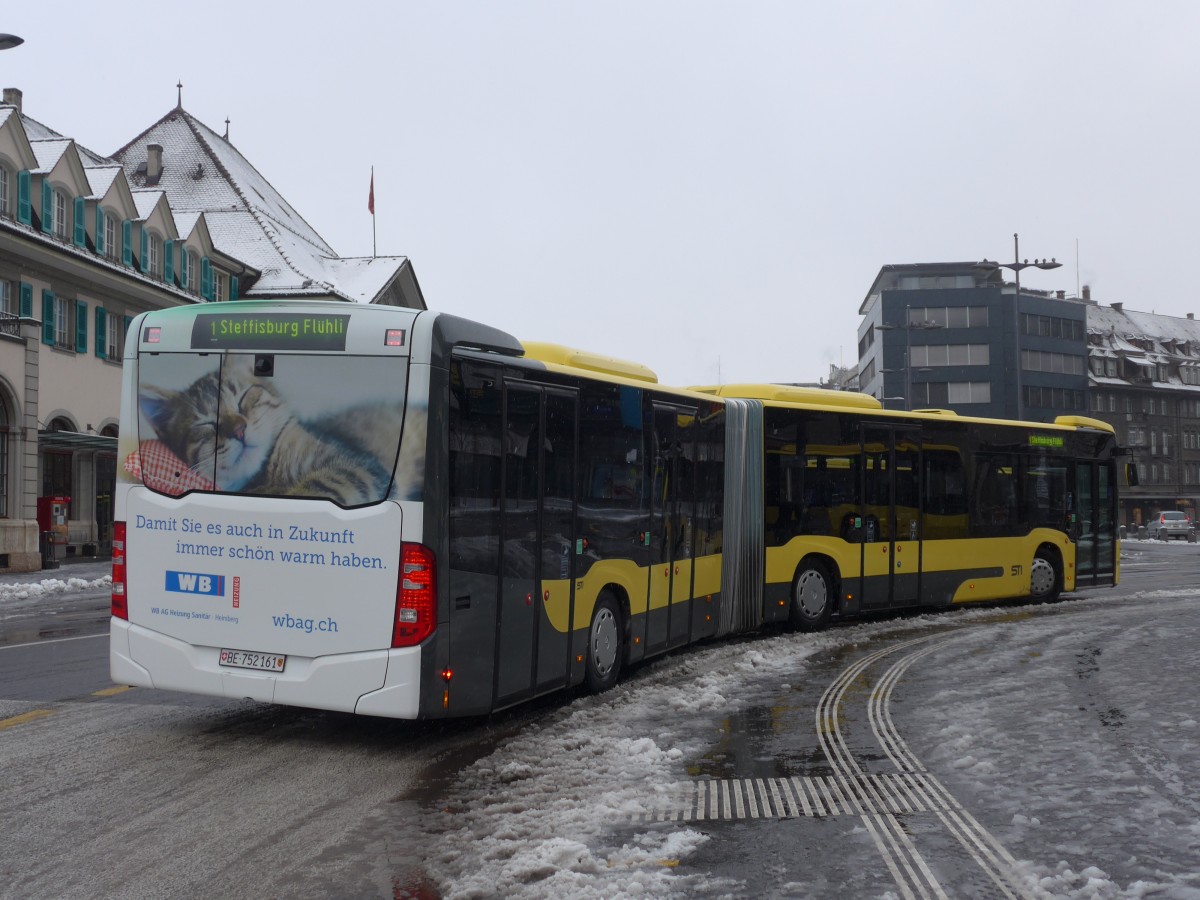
(36, 131)
(48, 153)
(145, 201)
(100, 179)
(247, 218)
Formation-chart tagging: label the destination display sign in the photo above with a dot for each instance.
(1045, 440)
(269, 331)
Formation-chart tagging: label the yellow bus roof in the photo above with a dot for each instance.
(787, 393)
(556, 354)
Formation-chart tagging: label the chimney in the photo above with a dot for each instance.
(1191, 315)
(1061, 295)
(1087, 292)
(1119, 307)
(154, 164)
(12, 96)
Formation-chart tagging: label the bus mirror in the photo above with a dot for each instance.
(1131, 474)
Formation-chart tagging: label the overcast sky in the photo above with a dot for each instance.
(706, 188)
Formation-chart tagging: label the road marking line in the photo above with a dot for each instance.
(31, 716)
(112, 691)
(82, 637)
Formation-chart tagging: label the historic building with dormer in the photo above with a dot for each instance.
(87, 242)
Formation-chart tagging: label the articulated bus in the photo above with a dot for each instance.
(403, 513)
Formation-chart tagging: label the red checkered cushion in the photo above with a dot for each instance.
(157, 467)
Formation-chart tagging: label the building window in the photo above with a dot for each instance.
(970, 391)
(154, 256)
(950, 355)
(5, 191)
(8, 299)
(112, 248)
(193, 273)
(1058, 363)
(115, 327)
(60, 215)
(1110, 368)
(1052, 327)
(1112, 402)
(949, 316)
(64, 323)
(219, 281)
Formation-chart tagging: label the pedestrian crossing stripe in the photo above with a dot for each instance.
(794, 797)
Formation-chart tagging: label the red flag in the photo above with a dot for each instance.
(371, 196)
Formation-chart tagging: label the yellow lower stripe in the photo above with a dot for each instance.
(112, 691)
(30, 716)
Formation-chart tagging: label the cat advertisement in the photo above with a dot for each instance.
(321, 427)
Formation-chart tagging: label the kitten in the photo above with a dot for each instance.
(262, 447)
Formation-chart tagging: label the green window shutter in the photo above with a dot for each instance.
(101, 332)
(144, 260)
(183, 266)
(99, 230)
(80, 327)
(127, 242)
(80, 224)
(47, 206)
(169, 262)
(47, 317)
(128, 322)
(206, 279)
(26, 300)
(24, 198)
(233, 287)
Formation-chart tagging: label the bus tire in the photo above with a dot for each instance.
(812, 596)
(1045, 578)
(606, 644)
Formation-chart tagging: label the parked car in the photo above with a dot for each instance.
(1167, 525)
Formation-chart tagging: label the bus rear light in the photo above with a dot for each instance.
(416, 597)
(120, 602)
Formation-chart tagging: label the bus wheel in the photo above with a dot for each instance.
(812, 596)
(605, 645)
(1044, 583)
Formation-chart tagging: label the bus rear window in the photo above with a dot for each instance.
(324, 427)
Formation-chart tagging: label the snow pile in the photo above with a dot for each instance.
(47, 587)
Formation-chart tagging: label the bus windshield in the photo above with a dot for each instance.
(314, 426)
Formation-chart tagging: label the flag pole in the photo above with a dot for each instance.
(371, 206)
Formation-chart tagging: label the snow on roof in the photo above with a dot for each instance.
(1142, 325)
(247, 218)
(145, 201)
(48, 152)
(100, 179)
(186, 221)
(36, 131)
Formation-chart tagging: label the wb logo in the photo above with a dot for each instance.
(195, 583)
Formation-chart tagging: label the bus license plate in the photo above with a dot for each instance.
(246, 659)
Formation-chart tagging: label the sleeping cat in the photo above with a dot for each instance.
(262, 447)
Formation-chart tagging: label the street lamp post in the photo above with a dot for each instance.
(1016, 265)
(908, 327)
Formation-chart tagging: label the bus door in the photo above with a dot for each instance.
(1094, 525)
(891, 516)
(671, 527)
(538, 534)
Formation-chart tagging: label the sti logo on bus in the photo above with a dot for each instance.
(196, 583)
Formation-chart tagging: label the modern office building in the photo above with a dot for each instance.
(948, 336)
